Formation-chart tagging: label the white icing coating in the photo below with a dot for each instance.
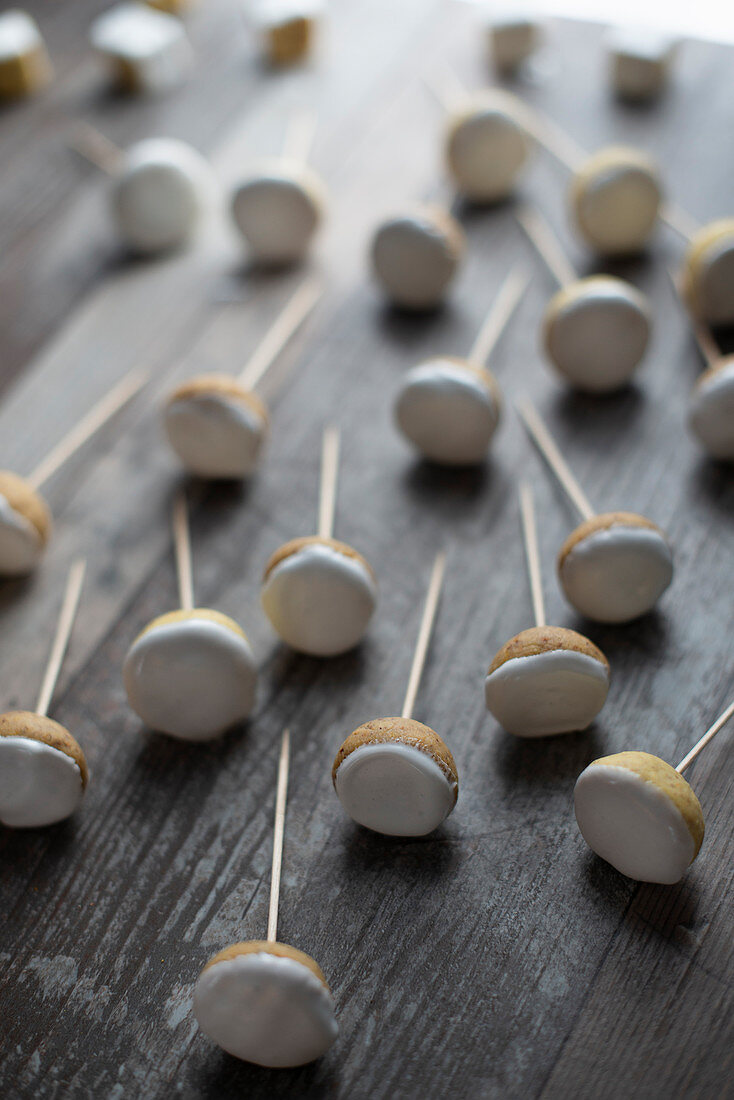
(513, 35)
(711, 412)
(617, 573)
(267, 1009)
(447, 412)
(153, 43)
(640, 60)
(192, 678)
(214, 434)
(19, 34)
(39, 785)
(415, 258)
(617, 207)
(597, 332)
(269, 14)
(715, 281)
(632, 824)
(21, 546)
(558, 691)
(487, 149)
(160, 194)
(277, 209)
(394, 789)
(319, 600)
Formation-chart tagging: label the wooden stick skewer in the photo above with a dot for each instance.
(283, 328)
(329, 478)
(547, 245)
(706, 344)
(299, 136)
(708, 736)
(532, 554)
(88, 143)
(547, 447)
(424, 634)
(95, 419)
(500, 313)
(67, 615)
(279, 830)
(182, 547)
(446, 88)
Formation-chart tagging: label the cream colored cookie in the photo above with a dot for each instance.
(449, 409)
(266, 1003)
(547, 680)
(615, 567)
(216, 427)
(146, 50)
(43, 772)
(639, 62)
(615, 200)
(319, 595)
(25, 67)
(487, 147)
(396, 776)
(277, 208)
(711, 410)
(640, 815)
(25, 526)
(708, 273)
(415, 256)
(513, 35)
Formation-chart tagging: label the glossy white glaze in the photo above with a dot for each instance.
(711, 412)
(19, 34)
(487, 149)
(21, 546)
(277, 209)
(214, 434)
(558, 691)
(39, 785)
(447, 412)
(617, 207)
(153, 44)
(415, 259)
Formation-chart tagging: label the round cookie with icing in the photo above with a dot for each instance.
(43, 773)
(615, 199)
(708, 273)
(278, 209)
(615, 567)
(319, 595)
(216, 426)
(396, 777)
(711, 410)
(596, 332)
(640, 815)
(547, 680)
(191, 674)
(487, 147)
(266, 1003)
(449, 410)
(25, 526)
(415, 256)
(160, 195)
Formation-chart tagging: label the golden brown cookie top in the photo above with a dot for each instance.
(294, 545)
(269, 947)
(545, 639)
(603, 523)
(182, 615)
(24, 500)
(404, 731)
(219, 385)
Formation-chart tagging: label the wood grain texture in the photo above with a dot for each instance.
(497, 957)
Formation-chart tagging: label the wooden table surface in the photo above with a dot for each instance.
(496, 957)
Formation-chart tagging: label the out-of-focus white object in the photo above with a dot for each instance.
(148, 51)
(287, 29)
(513, 34)
(24, 63)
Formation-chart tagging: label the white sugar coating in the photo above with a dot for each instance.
(39, 785)
(19, 34)
(415, 257)
(711, 411)
(633, 824)
(151, 43)
(446, 410)
(714, 281)
(276, 13)
(160, 194)
(558, 691)
(394, 789)
(21, 546)
(617, 573)
(487, 148)
(596, 332)
(640, 60)
(616, 206)
(214, 434)
(319, 600)
(277, 209)
(513, 36)
(191, 678)
(267, 1009)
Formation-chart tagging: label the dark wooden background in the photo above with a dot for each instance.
(497, 957)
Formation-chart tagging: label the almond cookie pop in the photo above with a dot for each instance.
(43, 772)
(639, 814)
(191, 673)
(264, 1001)
(547, 679)
(614, 567)
(415, 255)
(395, 775)
(318, 593)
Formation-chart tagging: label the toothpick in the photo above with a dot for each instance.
(680, 221)
(182, 547)
(283, 328)
(280, 800)
(547, 447)
(424, 633)
(708, 736)
(95, 419)
(446, 88)
(67, 615)
(547, 245)
(499, 315)
(329, 472)
(553, 138)
(532, 554)
(706, 343)
(299, 136)
(94, 147)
